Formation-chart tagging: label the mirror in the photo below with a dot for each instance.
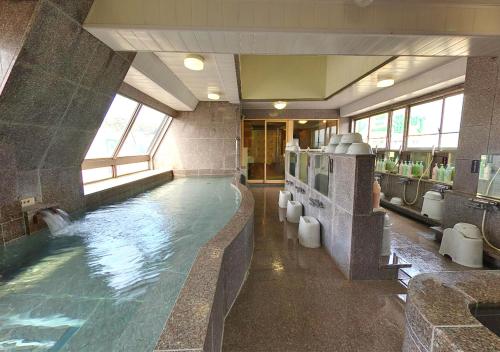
(292, 163)
(303, 166)
(314, 133)
(321, 164)
(488, 184)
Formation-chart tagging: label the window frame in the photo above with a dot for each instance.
(115, 160)
(407, 105)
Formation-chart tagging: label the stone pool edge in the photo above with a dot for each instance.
(196, 322)
(438, 311)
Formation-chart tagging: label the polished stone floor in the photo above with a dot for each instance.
(295, 299)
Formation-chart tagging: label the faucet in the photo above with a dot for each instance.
(300, 189)
(316, 203)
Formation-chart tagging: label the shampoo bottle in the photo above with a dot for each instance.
(447, 174)
(435, 172)
(376, 194)
(441, 173)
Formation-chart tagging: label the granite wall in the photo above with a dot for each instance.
(202, 142)
(53, 101)
(14, 19)
(479, 134)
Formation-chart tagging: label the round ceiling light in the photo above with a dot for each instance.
(213, 96)
(280, 105)
(194, 62)
(385, 82)
(302, 122)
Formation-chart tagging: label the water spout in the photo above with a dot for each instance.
(56, 219)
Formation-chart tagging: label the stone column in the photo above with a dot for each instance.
(479, 134)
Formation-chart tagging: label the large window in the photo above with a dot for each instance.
(434, 123)
(377, 137)
(424, 124)
(373, 129)
(125, 141)
(113, 127)
(397, 129)
(452, 116)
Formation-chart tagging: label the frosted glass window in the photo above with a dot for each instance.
(361, 127)
(424, 124)
(452, 117)
(112, 129)
(131, 168)
(143, 132)
(97, 174)
(377, 136)
(397, 129)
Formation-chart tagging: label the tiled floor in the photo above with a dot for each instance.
(295, 299)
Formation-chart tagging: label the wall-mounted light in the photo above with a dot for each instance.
(302, 122)
(280, 105)
(384, 82)
(194, 62)
(213, 96)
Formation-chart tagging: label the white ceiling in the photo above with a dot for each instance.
(299, 43)
(218, 75)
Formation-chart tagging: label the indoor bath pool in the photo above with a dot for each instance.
(109, 281)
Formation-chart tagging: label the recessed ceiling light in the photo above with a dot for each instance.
(385, 82)
(194, 62)
(213, 96)
(324, 121)
(280, 105)
(302, 122)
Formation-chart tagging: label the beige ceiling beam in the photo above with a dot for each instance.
(450, 18)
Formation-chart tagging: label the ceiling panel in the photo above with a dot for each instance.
(400, 69)
(219, 74)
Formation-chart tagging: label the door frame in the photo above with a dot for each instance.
(265, 180)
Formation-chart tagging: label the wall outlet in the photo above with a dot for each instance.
(26, 202)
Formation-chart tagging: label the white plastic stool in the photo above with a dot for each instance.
(293, 211)
(285, 196)
(309, 232)
(464, 244)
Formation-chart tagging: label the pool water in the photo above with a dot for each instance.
(110, 280)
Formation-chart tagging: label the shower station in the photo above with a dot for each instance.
(335, 188)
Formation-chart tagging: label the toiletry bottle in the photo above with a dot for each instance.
(421, 171)
(441, 173)
(447, 174)
(376, 194)
(435, 172)
(400, 168)
(481, 169)
(409, 171)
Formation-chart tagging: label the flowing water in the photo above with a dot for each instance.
(108, 281)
